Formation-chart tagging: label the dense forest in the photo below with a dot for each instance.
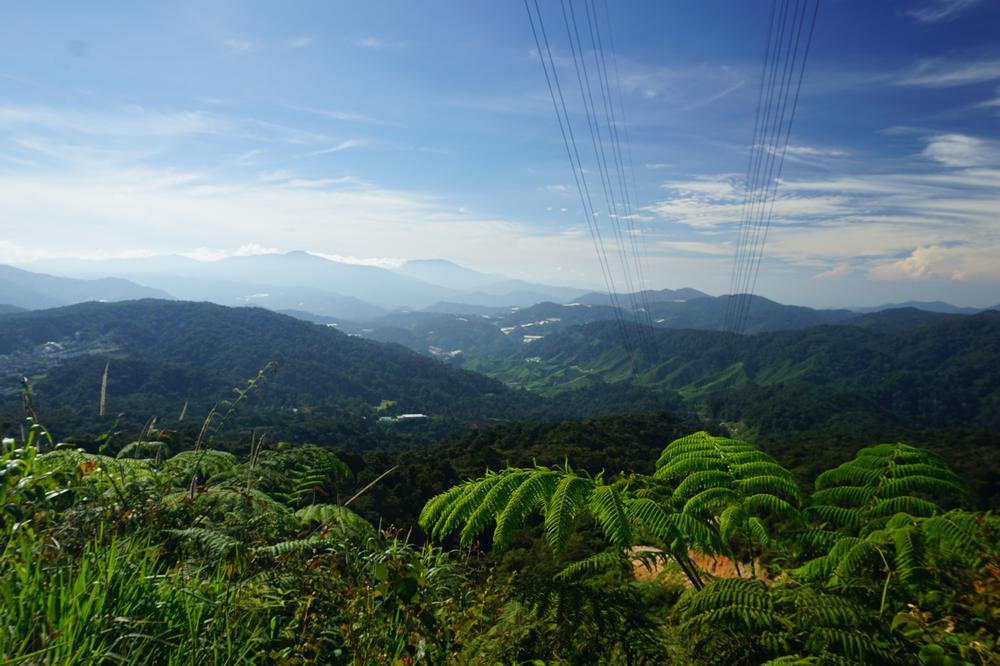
(243, 493)
(713, 554)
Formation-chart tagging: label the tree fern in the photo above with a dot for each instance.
(208, 464)
(729, 484)
(745, 621)
(508, 497)
(213, 543)
(883, 480)
(296, 475)
(319, 515)
(883, 510)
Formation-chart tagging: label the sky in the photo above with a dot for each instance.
(380, 132)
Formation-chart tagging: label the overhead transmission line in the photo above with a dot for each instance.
(783, 69)
(608, 158)
(631, 233)
(632, 196)
(576, 165)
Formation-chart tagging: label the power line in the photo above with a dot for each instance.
(597, 140)
(641, 298)
(758, 152)
(772, 131)
(733, 280)
(634, 205)
(776, 152)
(784, 149)
(767, 183)
(576, 166)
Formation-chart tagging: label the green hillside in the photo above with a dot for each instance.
(165, 354)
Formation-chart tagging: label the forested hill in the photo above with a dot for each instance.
(940, 374)
(164, 353)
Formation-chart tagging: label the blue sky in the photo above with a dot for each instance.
(387, 131)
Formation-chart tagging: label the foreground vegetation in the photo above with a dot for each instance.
(206, 557)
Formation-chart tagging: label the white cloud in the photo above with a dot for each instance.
(814, 151)
(129, 121)
(301, 41)
(247, 156)
(682, 89)
(963, 263)
(940, 216)
(240, 46)
(697, 247)
(216, 254)
(335, 114)
(561, 190)
(380, 262)
(708, 203)
(943, 73)
(375, 43)
(958, 150)
(934, 11)
(114, 210)
(838, 271)
(343, 145)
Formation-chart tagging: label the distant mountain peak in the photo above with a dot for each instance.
(434, 262)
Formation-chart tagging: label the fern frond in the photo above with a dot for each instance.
(914, 506)
(698, 481)
(731, 520)
(332, 514)
(492, 504)
(529, 496)
(765, 503)
(215, 544)
(206, 463)
(606, 505)
(608, 560)
(710, 499)
(563, 507)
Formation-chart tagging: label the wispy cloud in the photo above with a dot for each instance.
(815, 151)
(342, 146)
(946, 73)
(698, 247)
(935, 11)
(217, 254)
(936, 220)
(336, 114)
(959, 150)
(683, 88)
(991, 103)
(240, 46)
(558, 189)
(374, 43)
(301, 41)
(111, 211)
(130, 121)
(380, 262)
(247, 157)
(838, 271)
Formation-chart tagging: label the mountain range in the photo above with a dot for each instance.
(936, 372)
(24, 289)
(163, 355)
(930, 369)
(303, 281)
(347, 293)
